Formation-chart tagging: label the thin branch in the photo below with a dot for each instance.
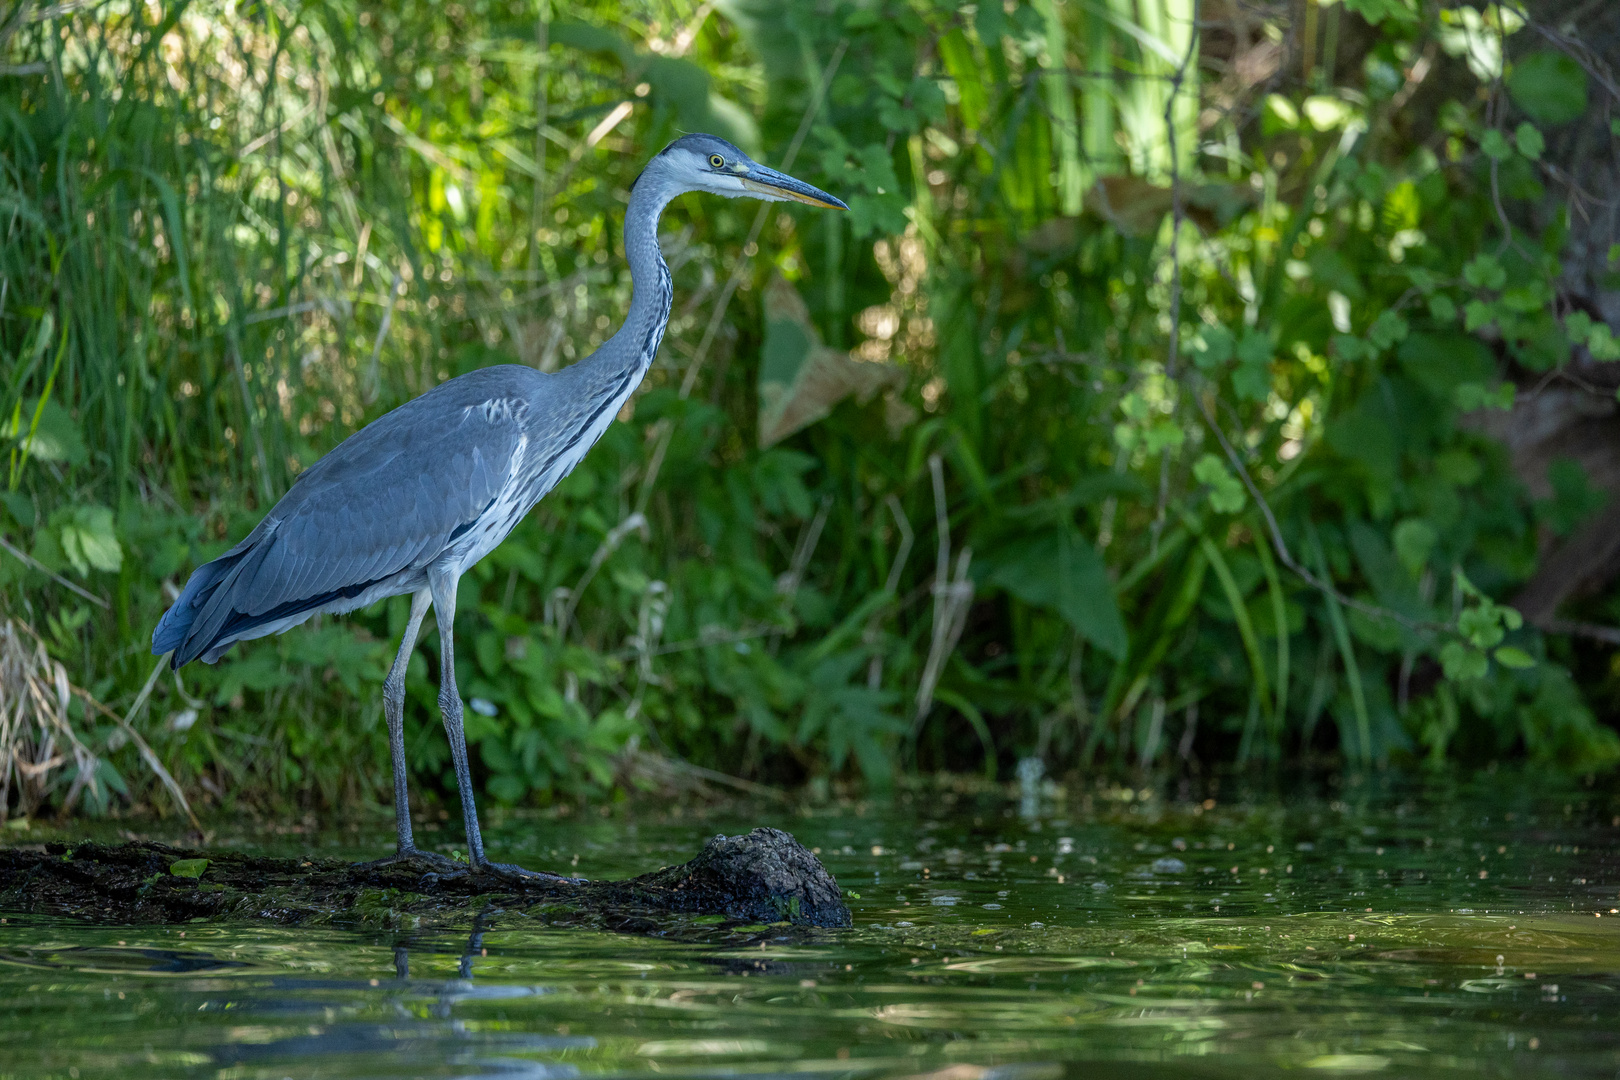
(1178, 215)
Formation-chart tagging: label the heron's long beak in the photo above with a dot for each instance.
(774, 185)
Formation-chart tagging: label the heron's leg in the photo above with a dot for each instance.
(442, 584)
(394, 713)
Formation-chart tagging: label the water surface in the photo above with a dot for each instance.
(1374, 930)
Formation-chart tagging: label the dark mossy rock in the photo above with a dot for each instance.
(765, 876)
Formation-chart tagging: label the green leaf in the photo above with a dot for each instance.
(1549, 86)
(1226, 494)
(1162, 435)
(1481, 625)
(1213, 346)
(1326, 113)
(89, 540)
(1442, 308)
(1059, 571)
(1483, 271)
(1255, 348)
(1529, 141)
(55, 438)
(1460, 663)
(1510, 657)
(1441, 362)
(188, 868)
(1414, 541)
(1601, 343)
(1279, 115)
(1495, 145)
(1574, 498)
(1252, 382)
(1376, 11)
(1387, 330)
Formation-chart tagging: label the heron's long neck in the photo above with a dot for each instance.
(617, 367)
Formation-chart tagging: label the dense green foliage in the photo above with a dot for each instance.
(233, 234)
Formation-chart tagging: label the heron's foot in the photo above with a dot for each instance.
(519, 876)
(443, 866)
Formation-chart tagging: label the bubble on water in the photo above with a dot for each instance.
(1169, 866)
(945, 901)
(1100, 886)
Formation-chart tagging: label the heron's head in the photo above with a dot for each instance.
(708, 163)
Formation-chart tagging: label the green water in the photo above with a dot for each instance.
(1377, 930)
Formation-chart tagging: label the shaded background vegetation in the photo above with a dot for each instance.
(964, 478)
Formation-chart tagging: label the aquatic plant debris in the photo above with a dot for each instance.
(761, 877)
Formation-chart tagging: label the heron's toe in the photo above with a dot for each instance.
(519, 875)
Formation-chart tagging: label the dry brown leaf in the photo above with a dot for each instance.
(800, 378)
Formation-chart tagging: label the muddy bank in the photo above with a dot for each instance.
(762, 877)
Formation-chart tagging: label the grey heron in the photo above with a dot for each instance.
(404, 506)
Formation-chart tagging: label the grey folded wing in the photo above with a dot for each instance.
(390, 499)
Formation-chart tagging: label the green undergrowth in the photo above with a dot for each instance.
(1009, 530)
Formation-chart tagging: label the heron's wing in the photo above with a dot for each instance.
(384, 502)
(392, 497)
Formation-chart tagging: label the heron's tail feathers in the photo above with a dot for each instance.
(227, 601)
(191, 627)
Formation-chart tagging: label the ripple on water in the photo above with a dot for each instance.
(1373, 931)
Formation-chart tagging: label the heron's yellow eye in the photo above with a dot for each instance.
(717, 161)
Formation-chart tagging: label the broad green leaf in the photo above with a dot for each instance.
(1510, 657)
(1279, 115)
(1461, 663)
(89, 540)
(1386, 330)
(1601, 343)
(1495, 145)
(1529, 141)
(1252, 382)
(1059, 571)
(56, 437)
(1549, 86)
(1483, 271)
(1326, 113)
(1414, 540)
(1376, 11)
(1226, 493)
(1213, 346)
(1441, 362)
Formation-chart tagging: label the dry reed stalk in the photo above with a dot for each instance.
(34, 723)
(36, 735)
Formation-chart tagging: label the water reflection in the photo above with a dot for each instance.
(1399, 936)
